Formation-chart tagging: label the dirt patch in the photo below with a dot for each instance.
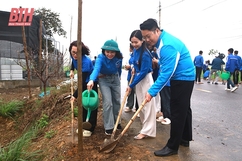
(60, 146)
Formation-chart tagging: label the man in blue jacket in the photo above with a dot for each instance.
(177, 67)
(198, 62)
(216, 67)
(231, 65)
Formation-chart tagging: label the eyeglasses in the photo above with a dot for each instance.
(74, 52)
(148, 36)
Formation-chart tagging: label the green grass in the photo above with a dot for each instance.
(17, 150)
(50, 134)
(9, 109)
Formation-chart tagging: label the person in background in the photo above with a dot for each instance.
(155, 73)
(132, 95)
(231, 65)
(206, 74)
(107, 69)
(205, 66)
(216, 68)
(236, 73)
(198, 62)
(240, 68)
(87, 68)
(178, 68)
(93, 61)
(142, 81)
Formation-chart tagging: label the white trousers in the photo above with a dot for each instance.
(148, 113)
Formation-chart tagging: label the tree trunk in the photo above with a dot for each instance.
(26, 58)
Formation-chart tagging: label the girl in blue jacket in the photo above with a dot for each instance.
(143, 79)
(87, 68)
(107, 69)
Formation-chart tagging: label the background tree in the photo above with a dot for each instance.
(45, 64)
(53, 25)
(212, 52)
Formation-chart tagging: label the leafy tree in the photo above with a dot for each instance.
(53, 25)
(212, 52)
(50, 63)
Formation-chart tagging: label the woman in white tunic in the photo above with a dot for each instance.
(142, 68)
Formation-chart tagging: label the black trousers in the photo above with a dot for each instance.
(198, 74)
(181, 113)
(165, 95)
(236, 77)
(93, 116)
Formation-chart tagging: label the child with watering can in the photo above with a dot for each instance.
(108, 67)
(87, 68)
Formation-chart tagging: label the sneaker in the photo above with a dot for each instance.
(208, 82)
(109, 132)
(86, 133)
(227, 89)
(216, 83)
(166, 121)
(119, 127)
(234, 88)
(127, 109)
(133, 110)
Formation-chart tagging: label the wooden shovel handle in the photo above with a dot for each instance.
(132, 119)
(121, 109)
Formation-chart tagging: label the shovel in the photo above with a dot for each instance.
(90, 103)
(109, 145)
(72, 113)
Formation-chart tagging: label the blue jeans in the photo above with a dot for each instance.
(229, 81)
(111, 95)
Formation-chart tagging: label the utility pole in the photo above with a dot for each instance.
(71, 29)
(159, 14)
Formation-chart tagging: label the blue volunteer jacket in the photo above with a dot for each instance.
(198, 61)
(232, 63)
(175, 62)
(87, 66)
(145, 67)
(130, 63)
(106, 66)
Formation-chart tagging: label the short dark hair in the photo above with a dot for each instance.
(231, 50)
(149, 24)
(200, 52)
(236, 52)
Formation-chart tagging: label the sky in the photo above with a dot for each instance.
(200, 24)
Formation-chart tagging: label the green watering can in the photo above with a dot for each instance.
(89, 102)
(225, 75)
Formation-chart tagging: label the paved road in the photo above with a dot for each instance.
(217, 125)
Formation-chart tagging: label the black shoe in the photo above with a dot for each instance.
(166, 151)
(185, 143)
(119, 127)
(216, 83)
(109, 132)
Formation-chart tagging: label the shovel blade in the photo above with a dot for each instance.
(108, 145)
(86, 125)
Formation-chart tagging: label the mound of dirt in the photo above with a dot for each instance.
(60, 146)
